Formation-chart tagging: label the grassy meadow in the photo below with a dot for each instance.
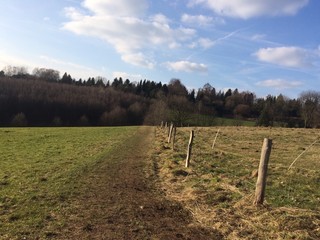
(219, 185)
(41, 170)
(210, 121)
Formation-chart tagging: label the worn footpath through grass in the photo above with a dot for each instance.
(121, 200)
(86, 183)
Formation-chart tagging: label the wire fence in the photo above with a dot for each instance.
(294, 169)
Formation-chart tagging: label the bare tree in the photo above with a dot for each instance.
(49, 75)
(158, 111)
(15, 71)
(175, 87)
(310, 101)
(180, 109)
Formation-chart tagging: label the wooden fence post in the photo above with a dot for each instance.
(170, 132)
(161, 125)
(189, 148)
(262, 171)
(214, 141)
(174, 137)
(168, 128)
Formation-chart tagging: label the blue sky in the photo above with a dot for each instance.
(263, 46)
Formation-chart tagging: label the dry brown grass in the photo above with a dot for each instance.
(218, 187)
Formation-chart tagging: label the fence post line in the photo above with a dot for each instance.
(189, 148)
(262, 171)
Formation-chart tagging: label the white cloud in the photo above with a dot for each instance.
(200, 20)
(203, 43)
(119, 8)
(186, 66)
(279, 84)
(246, 9)
(206, 42)
(120, 24)
(285, 56)
(138, 59)
(174, 45)
(258, 37)
(73, 13)
(160, 18)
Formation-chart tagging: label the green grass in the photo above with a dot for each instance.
(207, 120)
(41, 170)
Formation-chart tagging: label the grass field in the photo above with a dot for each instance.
(41, 170)
(209, 121)
(219, 185)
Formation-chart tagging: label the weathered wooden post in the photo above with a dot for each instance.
(214, 141)
(161, 125)
(262, 171)
(189, 148)
(170, 132)
(174, 137)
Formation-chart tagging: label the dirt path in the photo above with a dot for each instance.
(122, 202)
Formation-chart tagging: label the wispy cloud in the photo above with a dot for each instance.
(138, 59)
(263, 38)
(73, 13)
(186, 66)
(246, 9)
(279, 84)
(76, 70)
(203, 43)
(285, 56)
(227, 36)
(200, 20)
(258, 37)
(9, 59)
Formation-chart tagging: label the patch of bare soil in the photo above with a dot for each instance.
(121, 200)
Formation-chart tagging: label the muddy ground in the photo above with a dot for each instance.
(121, 200)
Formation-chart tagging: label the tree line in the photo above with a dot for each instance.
(43, 98)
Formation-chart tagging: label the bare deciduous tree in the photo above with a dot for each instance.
(49, 75)
(15, 71)
(310, 101)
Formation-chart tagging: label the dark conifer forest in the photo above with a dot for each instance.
(43, 98)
